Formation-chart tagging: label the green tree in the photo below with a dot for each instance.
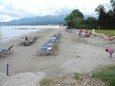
(90, 23)
(102, 14)
(106, 19)
(73, 18)
(113, 5)
(112, 14)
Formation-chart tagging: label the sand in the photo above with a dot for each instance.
(74, 55)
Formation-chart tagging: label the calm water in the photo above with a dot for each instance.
(11, 32)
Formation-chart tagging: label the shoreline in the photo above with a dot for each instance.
(4, 29)
(16, 37)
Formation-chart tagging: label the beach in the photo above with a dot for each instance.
(73, 55)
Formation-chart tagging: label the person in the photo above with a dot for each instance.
(110, 51)
(26, 38)
(25, 41)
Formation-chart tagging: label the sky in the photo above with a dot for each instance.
(16, 9)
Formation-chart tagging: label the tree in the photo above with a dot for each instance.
(113, 5)
(90, 23)
(72, 19)
(112, 12)
(106, 19)
(102, 14)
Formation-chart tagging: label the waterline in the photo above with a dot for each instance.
(11, 32)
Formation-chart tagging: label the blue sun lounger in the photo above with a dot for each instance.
(45, 49)
(48, 47)
(51, 41)
(5, 51)
(56, 35)
(1, 51)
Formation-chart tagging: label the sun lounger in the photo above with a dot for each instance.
(51, 41)
(56, 35)
(1, 51)
(6, 51)
(45, 49)
(70, 30)
(48, 47)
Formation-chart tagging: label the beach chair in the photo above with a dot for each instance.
(46, 48)
(6, 51)
(44, 51)
(1, 52)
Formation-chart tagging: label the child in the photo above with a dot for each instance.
(111, 51)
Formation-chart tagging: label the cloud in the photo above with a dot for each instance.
(14, 9)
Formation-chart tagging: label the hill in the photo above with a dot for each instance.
(42, 20)
(39, 20)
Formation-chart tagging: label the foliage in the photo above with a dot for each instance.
(75, 19)
(107, 74)
(106, 18)
(90, 23)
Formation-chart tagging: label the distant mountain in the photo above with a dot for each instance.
(42, 20)
(39, 20)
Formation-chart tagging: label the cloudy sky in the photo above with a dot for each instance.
(15, 9)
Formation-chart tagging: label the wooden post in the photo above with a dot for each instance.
(7, 70)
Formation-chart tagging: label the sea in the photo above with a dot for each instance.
(11, 32)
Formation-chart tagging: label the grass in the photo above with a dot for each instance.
(47, 82)
(78, 76)
(107, 74)
(107, 32)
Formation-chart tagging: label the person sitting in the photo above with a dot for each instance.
(25, 41)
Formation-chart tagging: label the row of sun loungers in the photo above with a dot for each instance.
(48, 47)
